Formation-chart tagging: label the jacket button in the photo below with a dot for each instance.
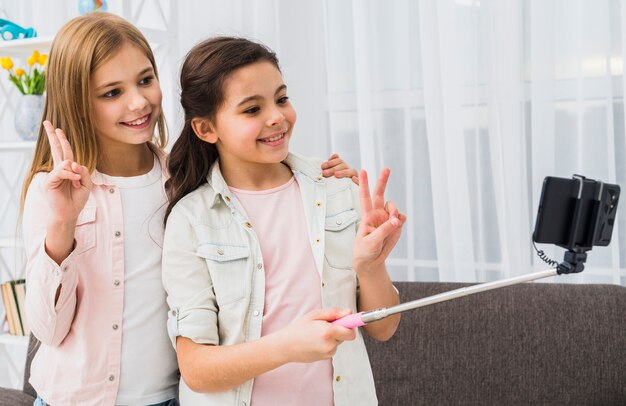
(111, 190)
(248, 224)
(115, 327)
(338, 378)
(220, 251)
(227, 198)
(259, 265)
(116, 282)
(117, 233)
(111, 378)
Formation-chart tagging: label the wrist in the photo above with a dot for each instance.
(278, 348)
(62, 223)
(368, 268)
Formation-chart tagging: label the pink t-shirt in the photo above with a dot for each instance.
(292, 289)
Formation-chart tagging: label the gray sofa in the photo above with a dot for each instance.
(548, 344)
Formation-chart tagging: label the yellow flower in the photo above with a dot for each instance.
(34, 58)
(28, 81)
(6, 63)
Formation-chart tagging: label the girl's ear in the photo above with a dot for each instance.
(204, 129)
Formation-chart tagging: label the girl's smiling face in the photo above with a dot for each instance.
(254, 124)
(126, 99)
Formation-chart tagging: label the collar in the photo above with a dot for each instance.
(297, 163)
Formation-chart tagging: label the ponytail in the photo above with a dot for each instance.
(189, 164)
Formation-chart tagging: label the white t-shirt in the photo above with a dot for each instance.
(148, 363)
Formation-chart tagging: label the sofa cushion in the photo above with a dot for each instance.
(14, 397)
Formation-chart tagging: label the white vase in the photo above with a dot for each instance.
(28, 116)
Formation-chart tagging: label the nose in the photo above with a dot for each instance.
(136, 100)
(276, 117)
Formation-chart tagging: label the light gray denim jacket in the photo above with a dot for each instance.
(213, 274)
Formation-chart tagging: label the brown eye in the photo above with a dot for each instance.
(111, 93)
(147, 80)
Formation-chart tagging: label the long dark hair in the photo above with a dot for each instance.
(205, 69)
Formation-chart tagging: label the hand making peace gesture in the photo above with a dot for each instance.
(381, 224)
(68, 184)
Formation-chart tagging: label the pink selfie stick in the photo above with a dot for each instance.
(361, 319)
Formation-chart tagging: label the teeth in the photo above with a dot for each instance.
(281, 135)
(139, 121)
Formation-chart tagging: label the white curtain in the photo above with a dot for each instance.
(472, 103)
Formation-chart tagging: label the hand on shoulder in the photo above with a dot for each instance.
(337, 167)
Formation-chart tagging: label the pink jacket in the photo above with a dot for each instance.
(78, 361)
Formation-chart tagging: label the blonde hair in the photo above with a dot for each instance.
(80, 47)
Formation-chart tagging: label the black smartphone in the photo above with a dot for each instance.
(576, 213)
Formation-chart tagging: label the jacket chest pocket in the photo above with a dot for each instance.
(340, 235)
(85, 232)
(227, 266)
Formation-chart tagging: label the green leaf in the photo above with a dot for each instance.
(17, 83)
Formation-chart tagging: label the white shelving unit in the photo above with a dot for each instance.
(15, 156)
(24, 146)
(9, 339)
(25, 46)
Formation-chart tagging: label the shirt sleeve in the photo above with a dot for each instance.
(49, 321)
(186, 278)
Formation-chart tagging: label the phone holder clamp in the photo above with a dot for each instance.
(573, 262)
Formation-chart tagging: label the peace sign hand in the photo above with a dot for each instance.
(68, 184)
(381, 224)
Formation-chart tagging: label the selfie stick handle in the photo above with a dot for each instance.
(361, 319)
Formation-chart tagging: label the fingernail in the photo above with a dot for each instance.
(395, 221)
